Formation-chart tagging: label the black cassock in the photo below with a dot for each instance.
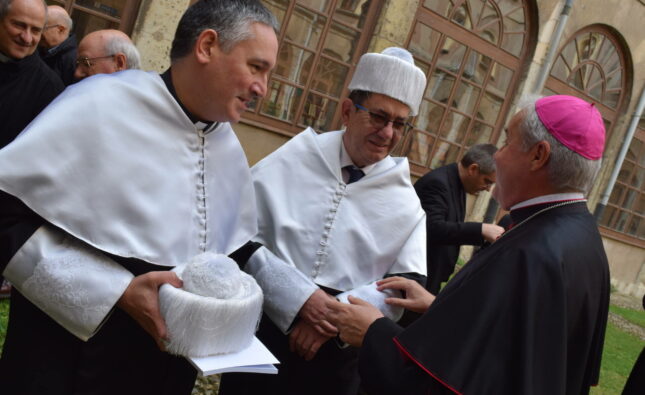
(41, 357)
(27, 86)
(526, 315)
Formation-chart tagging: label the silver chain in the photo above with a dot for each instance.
(540, 212)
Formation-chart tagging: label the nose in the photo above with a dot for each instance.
(26, 36)
(259, 87)
(387, 131)
(488, 187)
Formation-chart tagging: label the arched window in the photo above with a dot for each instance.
(473, 52)
(320, 43)
(593, 66)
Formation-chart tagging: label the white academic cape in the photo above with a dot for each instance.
(115, 165)
(337, 235)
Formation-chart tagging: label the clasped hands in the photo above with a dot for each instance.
(320, 322)
(321, 317)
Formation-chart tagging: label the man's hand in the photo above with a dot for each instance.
(305, 340)
(314, 311)
(353, 319)
(141, 301)
(491, 232)
(417, 298)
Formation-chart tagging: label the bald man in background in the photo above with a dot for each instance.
(58, 44)
(105, 52)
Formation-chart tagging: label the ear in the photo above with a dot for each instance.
(540, 154)
(473, 169)
(347, 108)
(207, 42)
(121, 61)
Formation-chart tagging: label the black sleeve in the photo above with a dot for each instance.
(384, 369)
(243, 254)
(17, 224)
(434, 196)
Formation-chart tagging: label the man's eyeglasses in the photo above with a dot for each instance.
(89, 62)
(49, 27)
(381, 121)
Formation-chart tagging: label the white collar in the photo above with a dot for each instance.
(206, 127)
(555, 197)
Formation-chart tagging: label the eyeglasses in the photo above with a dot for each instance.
(89, 62)
(49, 27)
(381, 121)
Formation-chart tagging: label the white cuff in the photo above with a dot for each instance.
(73, 283)
(285, 287)
(372, 295)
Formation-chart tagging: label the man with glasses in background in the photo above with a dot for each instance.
(443, 197)
(105, 52)
(342, 214)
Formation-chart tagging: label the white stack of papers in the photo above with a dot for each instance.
(256, 358)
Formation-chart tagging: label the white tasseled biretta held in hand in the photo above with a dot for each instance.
(217, 310)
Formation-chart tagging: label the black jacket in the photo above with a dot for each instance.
(443, 198)
(27, 86)
(62, 59)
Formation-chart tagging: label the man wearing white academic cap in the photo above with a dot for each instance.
(339, 213)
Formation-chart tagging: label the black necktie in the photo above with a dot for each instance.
(355, 173)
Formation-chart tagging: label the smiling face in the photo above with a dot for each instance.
(235, 78)
(21, 28)
(365, 143)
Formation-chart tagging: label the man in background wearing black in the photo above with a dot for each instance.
(443, 197)
(58, 45)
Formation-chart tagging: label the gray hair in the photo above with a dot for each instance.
(119, 44)
(482, 156)
(567, 169)
(5, 6)
(231, 20)
(67, 22)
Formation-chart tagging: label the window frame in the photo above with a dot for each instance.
(254, 117)
(611, 232)
(449, 29)
(126, 21)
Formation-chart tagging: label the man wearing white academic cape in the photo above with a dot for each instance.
(342, 213)
(120, 179)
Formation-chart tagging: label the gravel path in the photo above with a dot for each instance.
(629, 302)
(206, 385)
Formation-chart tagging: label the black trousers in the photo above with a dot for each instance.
(333, 371)
(41, 357)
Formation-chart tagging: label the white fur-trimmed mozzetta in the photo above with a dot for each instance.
(216, 312)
